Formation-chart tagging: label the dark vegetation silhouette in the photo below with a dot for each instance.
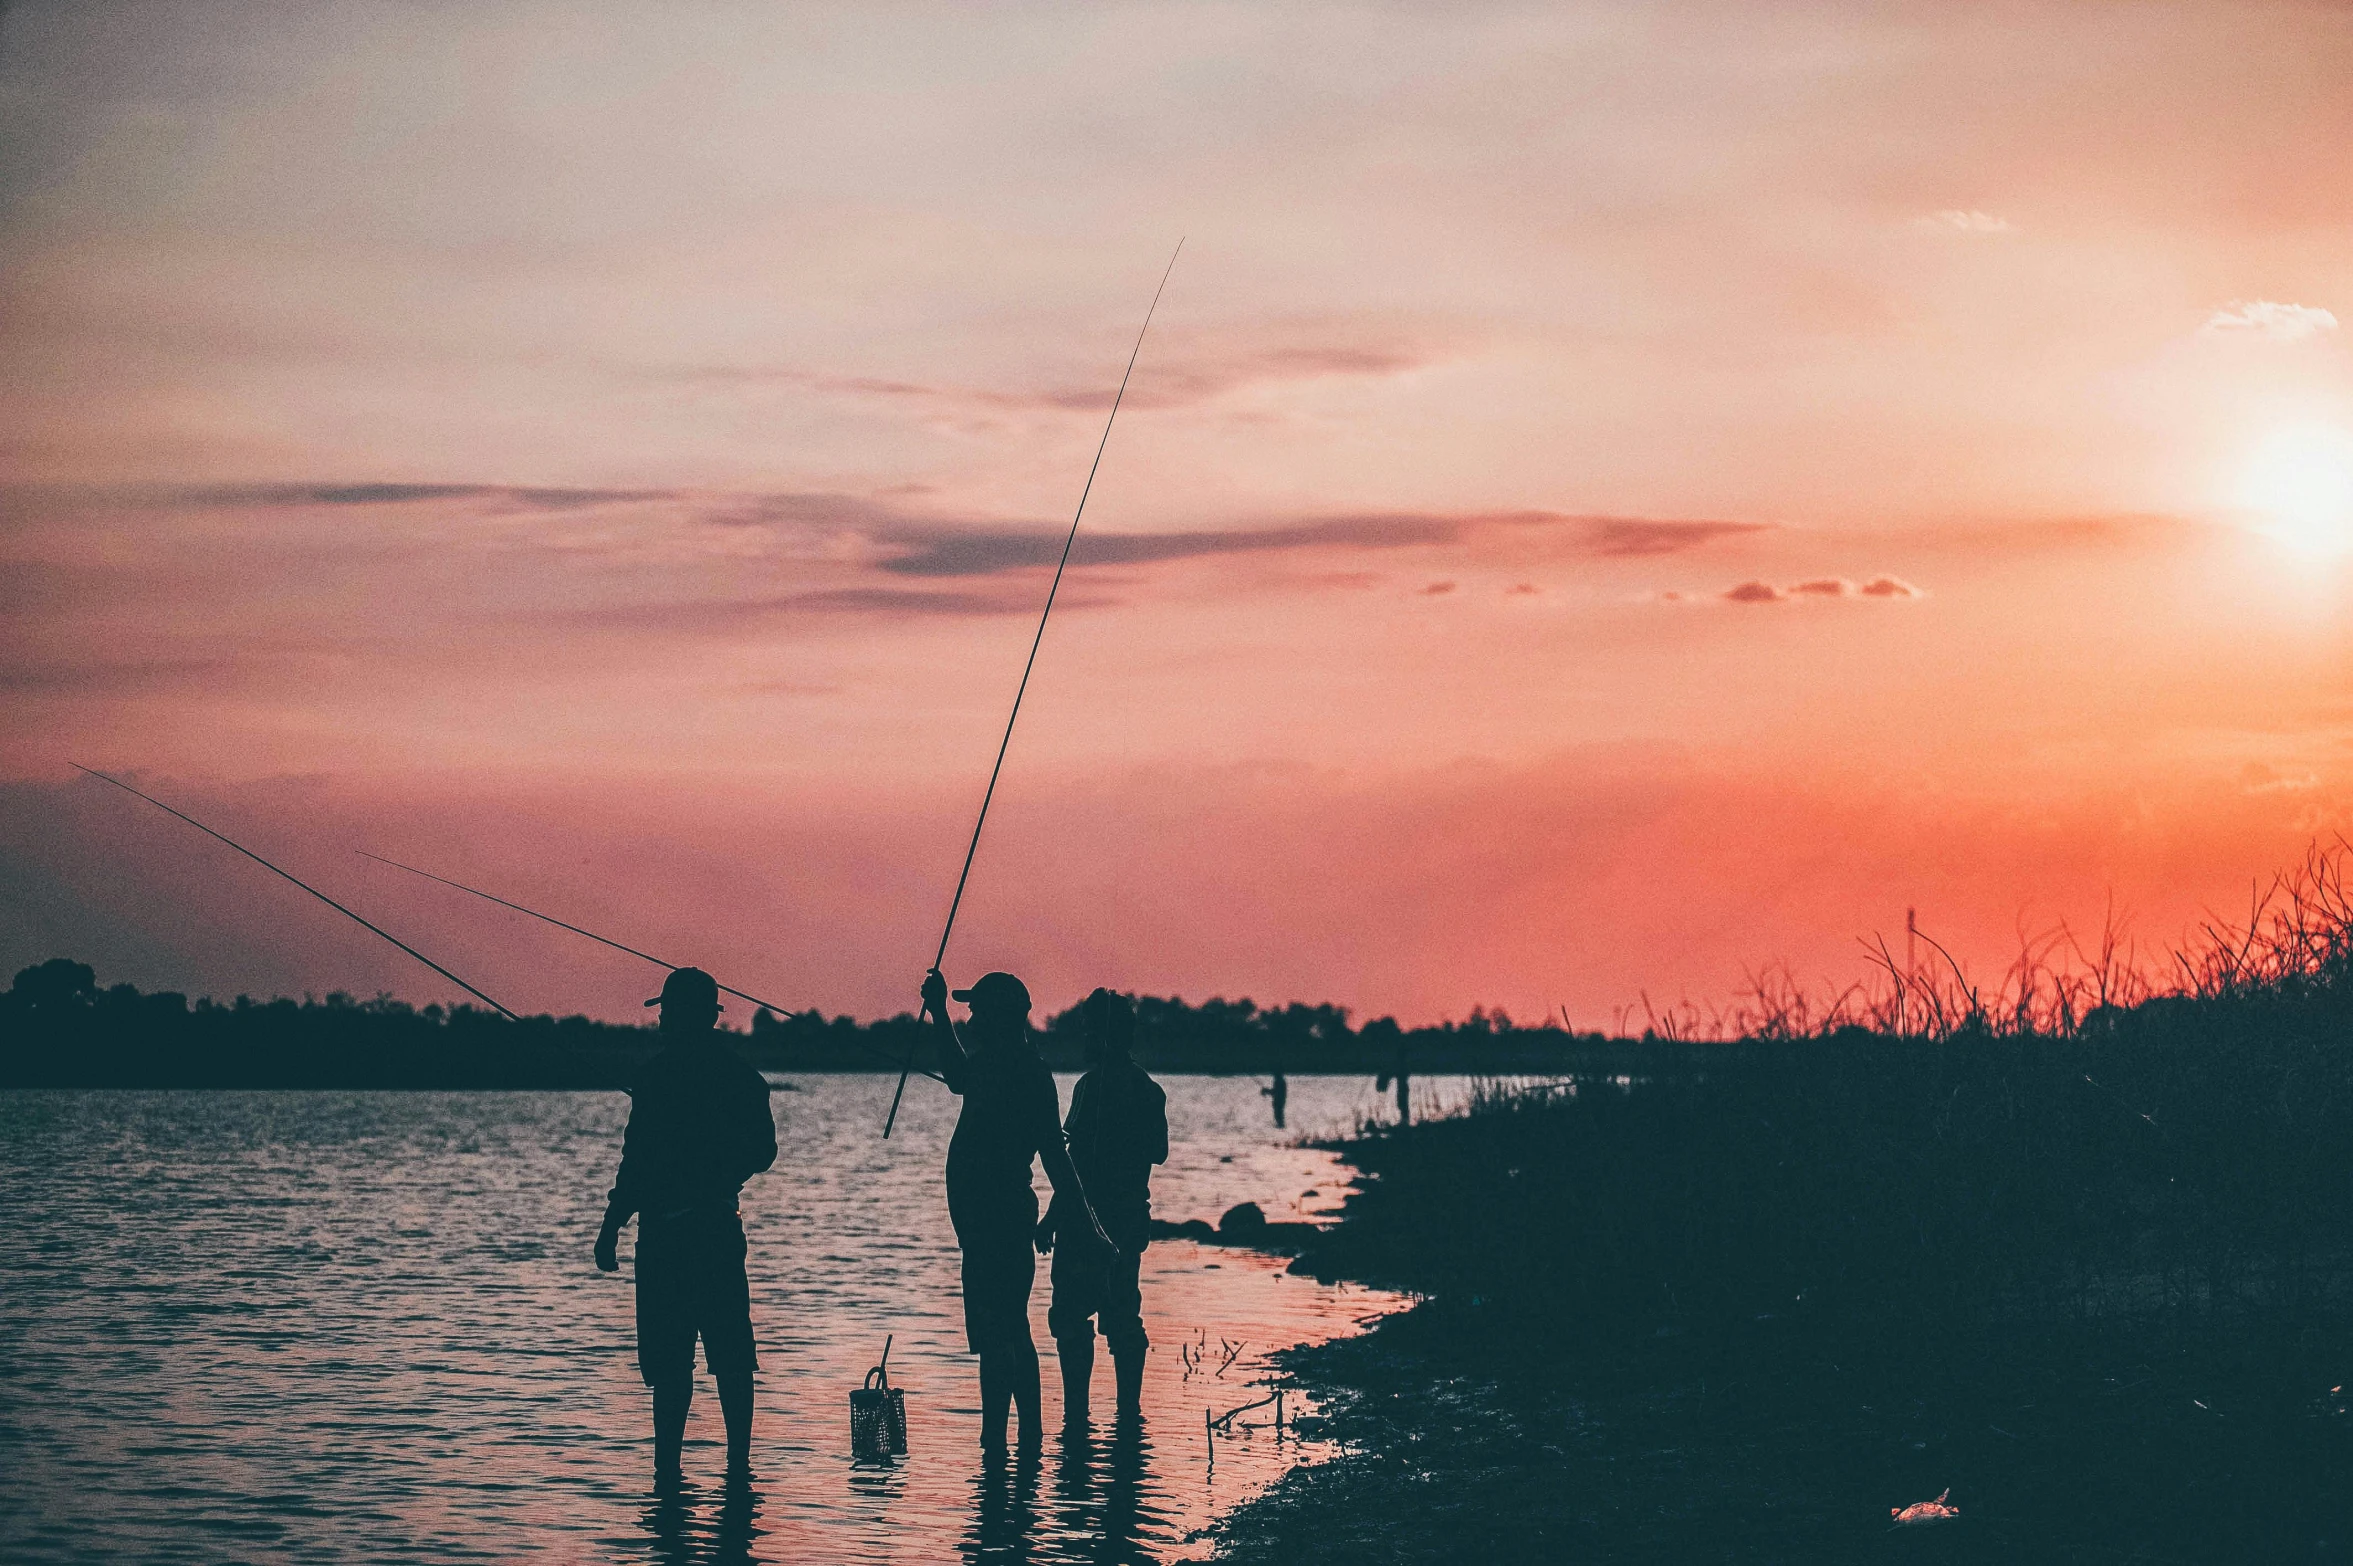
(2070, 1140)
(2078, 1244)
(60, 1028)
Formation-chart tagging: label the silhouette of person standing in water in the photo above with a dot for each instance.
(1279, 1095)
(1400, 1069)
(1010, 1116)
(1118, 1129)
(699, 1127)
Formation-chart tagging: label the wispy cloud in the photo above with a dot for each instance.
(1888, 587)
(1650, 536)
(941, 549)
(719, 615)
(901, 533)
(949, 551)
(2269, 318)
(1754, 593)
(99, 678)
(1170, 381)
(1964, 220)
(521, 497)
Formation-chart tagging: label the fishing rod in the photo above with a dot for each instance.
(306, 886)
(601, 939)
(1020, 690)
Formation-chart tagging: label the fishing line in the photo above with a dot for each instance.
(973, 847)
(306, 886)
(603, 939)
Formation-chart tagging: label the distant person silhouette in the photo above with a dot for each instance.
(1400, 1069)
(1010, 1116)
(699, 1127)
(1278, 1095)
(1117, 1130)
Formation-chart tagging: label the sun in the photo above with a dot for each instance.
(2298, 488)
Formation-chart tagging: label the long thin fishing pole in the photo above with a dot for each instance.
(306, 886)
(601, 939)
(1022, 689)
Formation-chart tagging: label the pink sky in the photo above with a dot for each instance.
(1614, 497)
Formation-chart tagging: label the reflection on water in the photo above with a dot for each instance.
(337, 1326)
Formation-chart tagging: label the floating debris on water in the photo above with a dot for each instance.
(1939, 1510)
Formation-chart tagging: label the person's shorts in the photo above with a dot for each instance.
(690, 1284)
(998, 1270)
(1091, 1283)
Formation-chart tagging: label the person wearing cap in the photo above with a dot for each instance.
(699, 1127)
(1010, 1117)
(1117, 1130)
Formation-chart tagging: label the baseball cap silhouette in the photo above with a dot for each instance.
(995, 992)
(688, 985)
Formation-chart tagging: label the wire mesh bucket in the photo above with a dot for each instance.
(878, 1414)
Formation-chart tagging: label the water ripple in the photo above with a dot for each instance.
(333, 1326)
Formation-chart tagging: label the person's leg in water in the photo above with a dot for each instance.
(735, 1405)
(673, 1396)
(666, 1332)
(1077, 1354)
(1078, 1291)
(997, 1277)
(1009, 1385)
(1123, 1327)
(729, 1347)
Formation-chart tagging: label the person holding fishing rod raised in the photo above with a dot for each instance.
(1010, 1117)
(699, 1127)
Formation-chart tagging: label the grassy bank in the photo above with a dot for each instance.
(2077, 1248)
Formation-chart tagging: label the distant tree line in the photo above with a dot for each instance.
(59, 1027)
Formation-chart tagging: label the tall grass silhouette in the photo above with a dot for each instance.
(2090, 1136)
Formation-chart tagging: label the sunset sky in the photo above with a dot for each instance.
(1615, 496)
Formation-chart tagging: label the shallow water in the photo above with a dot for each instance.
(365, 1326)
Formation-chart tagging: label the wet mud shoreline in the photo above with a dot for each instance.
(1502, 1427)
(1464, 1442)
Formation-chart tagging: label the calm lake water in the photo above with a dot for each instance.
(365, 1326)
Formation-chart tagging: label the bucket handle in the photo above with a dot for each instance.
(879, 1376)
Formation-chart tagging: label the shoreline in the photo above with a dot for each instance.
(1495, 1428)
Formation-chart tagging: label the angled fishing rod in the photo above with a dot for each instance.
(1022, 689)
(603, 940)
(306, 886)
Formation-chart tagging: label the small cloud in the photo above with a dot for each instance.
(1965, 220)
(1522, 590)
(1821, 587)
(1436, 589)
(1670, 598)
(2270, 319)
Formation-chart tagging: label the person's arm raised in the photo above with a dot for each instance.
(935, 1007)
